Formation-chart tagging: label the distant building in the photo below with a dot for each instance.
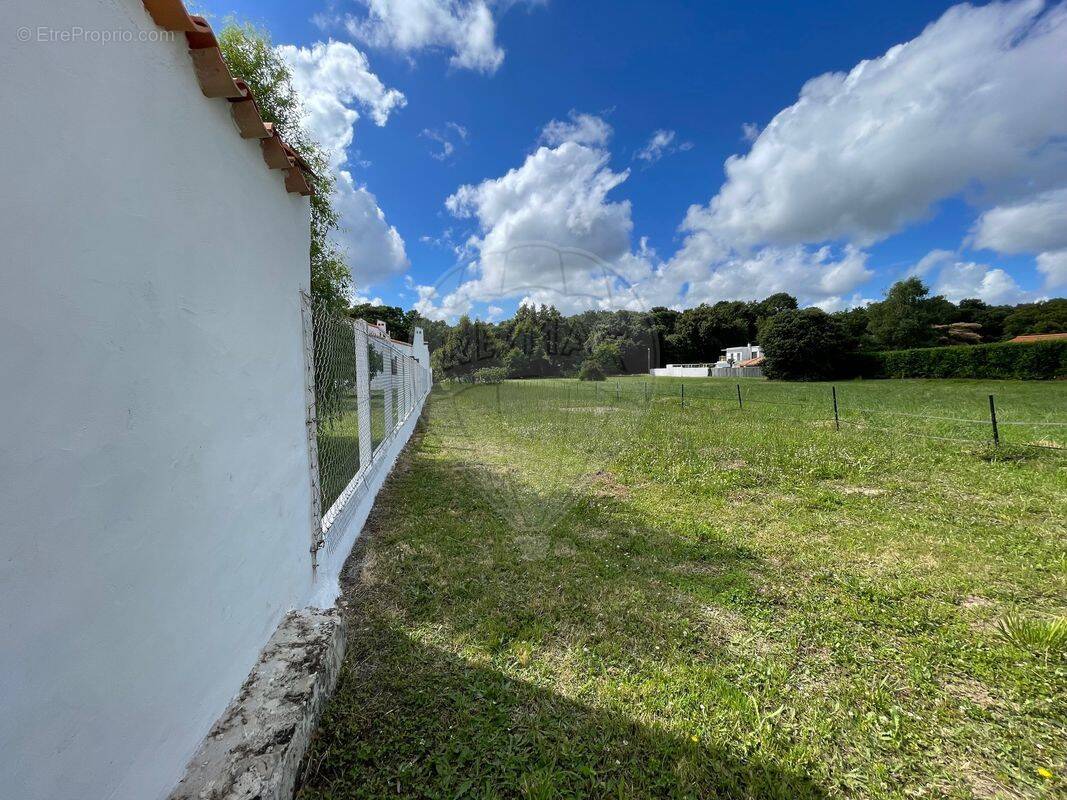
(735, 356)
(1039, 337)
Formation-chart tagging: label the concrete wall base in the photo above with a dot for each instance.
(254, 751)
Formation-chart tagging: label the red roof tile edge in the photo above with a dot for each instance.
(216, 81)
(1039, 337)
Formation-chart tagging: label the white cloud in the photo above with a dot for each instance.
(549, 232)
(1036, 225)
(750, 131)
(466, 29)
(660, 144)
(931, 260)
(446, 137)
(960, 280)
(360, 300)
(1054, 267)
(331, 77)
(374, 248)
(586, 129)
(704, 270)
(974, 103)
(546, 231)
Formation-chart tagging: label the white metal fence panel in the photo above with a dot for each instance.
(362, 387)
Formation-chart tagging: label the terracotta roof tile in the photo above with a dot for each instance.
(1040, 337)
(216, 81)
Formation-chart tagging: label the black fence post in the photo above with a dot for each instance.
(837, 419)
(681, 386)
(739, 396)
(616, 391)
(596, 392)
(993, 419)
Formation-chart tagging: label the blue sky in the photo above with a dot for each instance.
(947, 156)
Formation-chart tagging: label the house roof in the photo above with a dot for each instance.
(1040, 337)
(752, 362)
(216, 81)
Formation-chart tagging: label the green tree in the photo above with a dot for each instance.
(853, 323)
(701, 333)
(990, 318)
(805, 345)
(775, 304)
(662, 321)
(396, 320)
(1049, 316)
(470, 345)
(513, 363)
(907, 316)
(250, 55)
(607, 357)
(590, 371)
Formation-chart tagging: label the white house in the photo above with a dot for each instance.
(156, 496)
(735, 356)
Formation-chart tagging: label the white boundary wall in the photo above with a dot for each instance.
(679, 371)
(350, 522)
(154, 464)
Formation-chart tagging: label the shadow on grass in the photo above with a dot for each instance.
(412, 719)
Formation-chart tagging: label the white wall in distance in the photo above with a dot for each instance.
(154, 491)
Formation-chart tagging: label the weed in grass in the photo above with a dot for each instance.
(1039, 634)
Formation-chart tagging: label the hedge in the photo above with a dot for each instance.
(1026, 361)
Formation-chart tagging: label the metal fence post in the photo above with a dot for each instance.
(993, 419)
(837, 420)
(616, 391)
(682, 388)
(366, 447)
(739, 396)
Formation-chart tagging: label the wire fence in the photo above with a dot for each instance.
(362, 387)
(984, 426)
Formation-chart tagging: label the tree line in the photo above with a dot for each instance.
(803, 343)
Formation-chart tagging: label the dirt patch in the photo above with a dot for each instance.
(603, 484)
(969, 689)
(1049, 443)
(699, 568)
(532, 547)
(597, 410)
(986, 786)
(974, 601)
(736, 463)
(865, 491)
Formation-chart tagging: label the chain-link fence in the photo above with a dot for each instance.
(362, 386)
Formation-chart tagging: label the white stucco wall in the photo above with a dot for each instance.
(154, 493)
(678, 371)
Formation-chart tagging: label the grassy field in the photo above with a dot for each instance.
(597, 592)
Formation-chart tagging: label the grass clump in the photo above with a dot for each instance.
(1039, 634)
